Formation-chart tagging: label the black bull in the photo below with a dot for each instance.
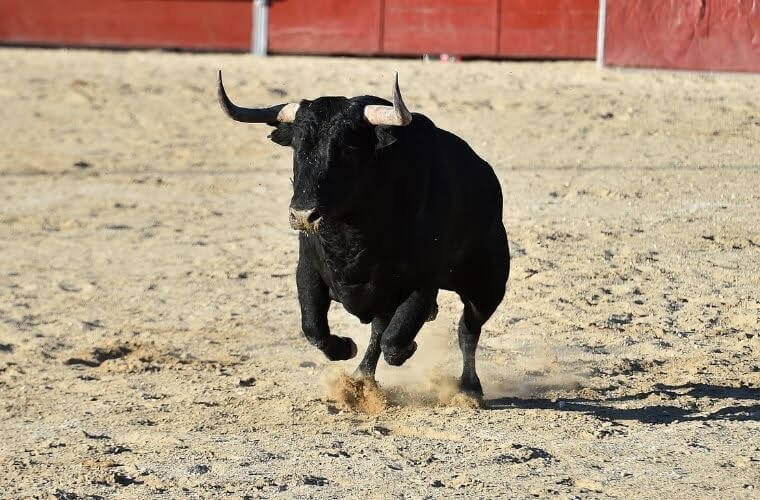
(390, 209)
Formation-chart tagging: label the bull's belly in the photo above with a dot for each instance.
(378, 289)
(365, 301)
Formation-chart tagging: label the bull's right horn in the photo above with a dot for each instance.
(285, 113)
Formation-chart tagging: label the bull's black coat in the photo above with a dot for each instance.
(400, 213)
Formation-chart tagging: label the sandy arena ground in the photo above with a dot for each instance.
(149, 330)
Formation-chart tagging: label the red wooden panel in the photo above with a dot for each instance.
(462, 27)
(219, 24)
(325, 26)
(548, 28)
(719, 35)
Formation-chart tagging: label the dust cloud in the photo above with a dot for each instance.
(431, 377)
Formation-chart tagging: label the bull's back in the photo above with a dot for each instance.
(468, 191)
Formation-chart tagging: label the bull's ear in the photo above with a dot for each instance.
(282, 134)
(385, 137)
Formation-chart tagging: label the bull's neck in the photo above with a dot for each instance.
(384, 215)
(353, 227)
(366, 229)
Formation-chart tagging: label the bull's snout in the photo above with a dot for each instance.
(305, 220)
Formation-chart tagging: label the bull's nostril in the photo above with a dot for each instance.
(314, 216)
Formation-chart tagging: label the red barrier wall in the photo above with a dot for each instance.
(721, 35)
(207, 24)
(462, 27)
(325, 26)
(549, 28)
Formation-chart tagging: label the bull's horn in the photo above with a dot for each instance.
(396, 115)
(280, 113)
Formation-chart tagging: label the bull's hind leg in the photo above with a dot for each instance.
(470, 325)
(481, 296)
(368, 364)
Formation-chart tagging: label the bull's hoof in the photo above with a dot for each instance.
(397, 357)
(340, 348)
(471, 387)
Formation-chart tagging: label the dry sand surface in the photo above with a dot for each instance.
(149, 330)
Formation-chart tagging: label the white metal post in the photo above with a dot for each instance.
(600, 33)
(260, 27)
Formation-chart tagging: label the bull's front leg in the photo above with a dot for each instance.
(314, 299)
(397, 341)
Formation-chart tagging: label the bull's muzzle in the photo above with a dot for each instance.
(305, 220)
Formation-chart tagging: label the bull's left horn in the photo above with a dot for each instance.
(396, 115)
(281, 113)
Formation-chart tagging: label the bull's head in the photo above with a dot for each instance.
(336, 145)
